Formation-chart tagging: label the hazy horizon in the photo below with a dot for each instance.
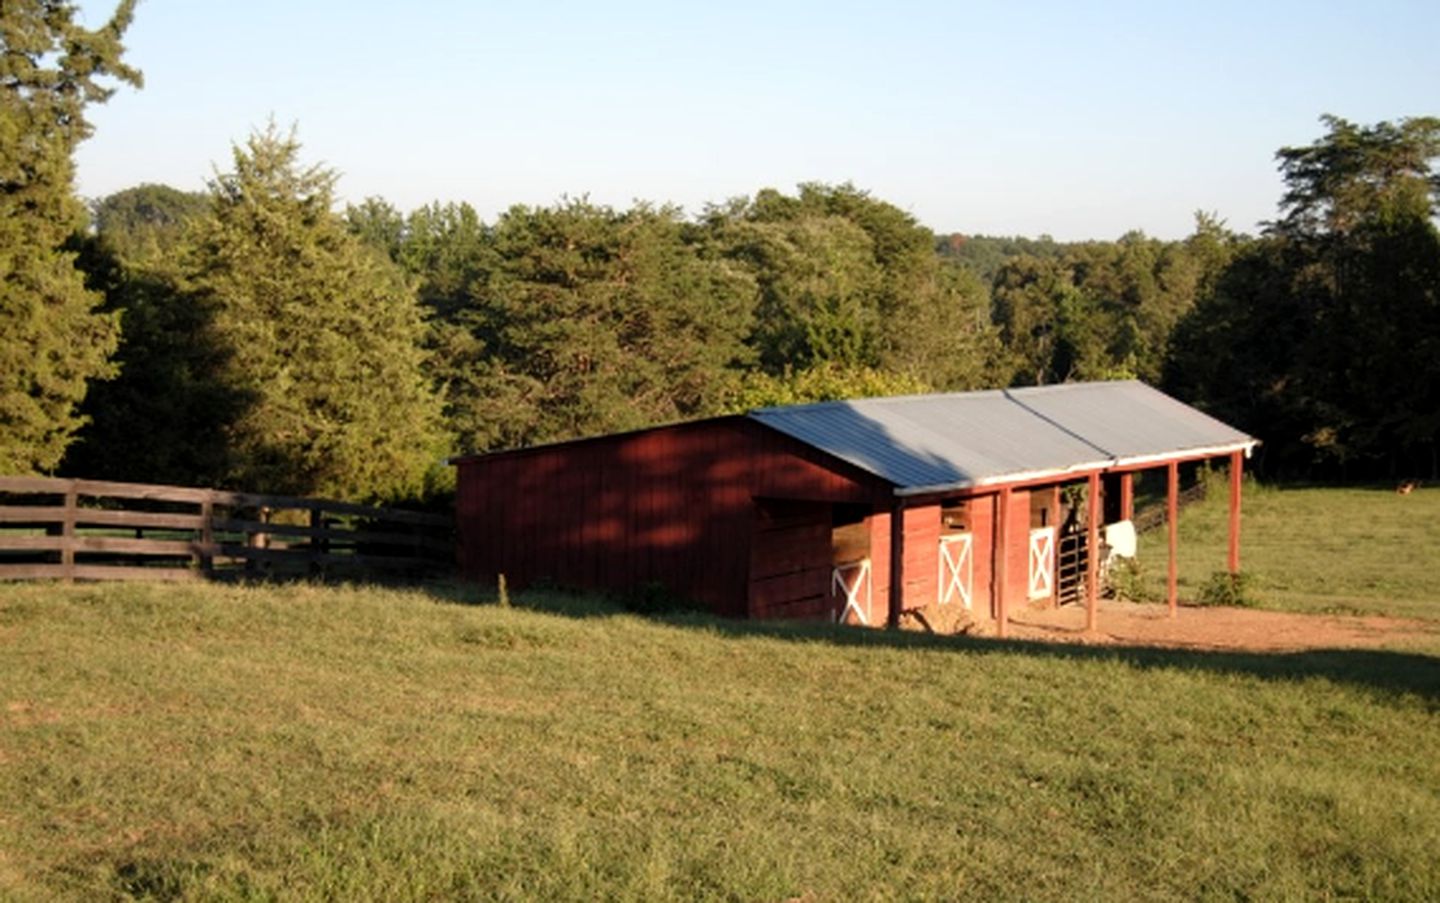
(987, 120)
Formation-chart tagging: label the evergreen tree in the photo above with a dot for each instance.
(320, 337)
(53, 341)
(590, 320)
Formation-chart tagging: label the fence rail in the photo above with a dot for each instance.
(101, 530)
(1154, 514)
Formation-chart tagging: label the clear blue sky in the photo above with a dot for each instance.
(1077, 120)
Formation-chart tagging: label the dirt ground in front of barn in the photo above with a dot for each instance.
(1238, 629)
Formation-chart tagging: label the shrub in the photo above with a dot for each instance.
(1225, 588)
(1125, 579)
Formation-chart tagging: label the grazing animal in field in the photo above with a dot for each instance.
(1406, 487)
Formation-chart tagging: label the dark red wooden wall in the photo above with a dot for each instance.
(790, 560)
(673, 506)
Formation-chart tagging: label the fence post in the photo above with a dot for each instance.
(207, 534)
(258, 540)
(67, 532)
(319, 541)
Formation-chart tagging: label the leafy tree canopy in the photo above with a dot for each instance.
(1356, 173)
(822, 382)
(145, 224)
(162, 419)
(1324, 337)
(850, 280)
(1103, 310)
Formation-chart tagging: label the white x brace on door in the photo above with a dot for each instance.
(956, 568)
(853, 582)
(1042, 562)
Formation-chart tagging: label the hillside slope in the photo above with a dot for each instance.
(302, 742)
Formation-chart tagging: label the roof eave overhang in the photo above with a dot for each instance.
(1124, 463)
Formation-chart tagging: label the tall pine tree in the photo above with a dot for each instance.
(52, 339)
(321, 337)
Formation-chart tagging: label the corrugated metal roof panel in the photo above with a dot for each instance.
(934, 442)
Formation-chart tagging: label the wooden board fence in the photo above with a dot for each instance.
(1153, 515)
(98, 530)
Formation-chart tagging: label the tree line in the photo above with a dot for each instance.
(258, 335)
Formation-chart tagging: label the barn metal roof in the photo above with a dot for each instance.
(933, 443)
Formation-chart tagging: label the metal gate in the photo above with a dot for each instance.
(956, 568)
(1074, 560)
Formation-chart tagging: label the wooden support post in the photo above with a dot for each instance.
(1236, 468)
(1127, 496)
(1001, 553)
(1172, 520)
(897, 564)
(1092, 552)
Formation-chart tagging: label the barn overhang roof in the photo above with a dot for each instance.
(927, 444)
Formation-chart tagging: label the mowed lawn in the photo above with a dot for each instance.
(1312, 549)
(298, 742)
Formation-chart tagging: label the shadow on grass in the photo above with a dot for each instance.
(1385, 671)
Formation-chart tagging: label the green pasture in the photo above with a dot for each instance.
(295, 742)
(1313, 549)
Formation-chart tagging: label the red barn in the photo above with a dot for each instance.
(856, 511)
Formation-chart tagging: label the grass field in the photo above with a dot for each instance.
(1324, 550)
(298, 742)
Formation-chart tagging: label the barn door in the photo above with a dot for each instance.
(1042, 562)
(956, 568)
(850, 591)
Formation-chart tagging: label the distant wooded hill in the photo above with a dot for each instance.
(986, 254)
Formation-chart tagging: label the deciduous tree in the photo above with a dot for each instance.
(162, 419)
(848, 280)
(1334, 317)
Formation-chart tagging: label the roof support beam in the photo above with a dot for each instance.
(897, 564)
(1127, 495)
(1236, 469)
(1000, 553)
(1092, 552)
(1172, 521)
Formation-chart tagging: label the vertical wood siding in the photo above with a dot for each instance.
(725, 512)
(922, 557)
(1017, 556)
(879, 524)
(982, 527)
(673, 506)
